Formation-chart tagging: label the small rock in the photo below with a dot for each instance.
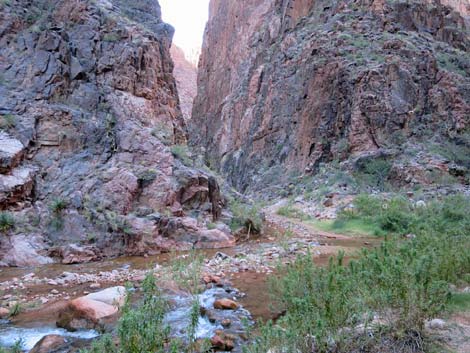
(95, 286)
(226, 323)
(222, 343)
(225, 304)
(54, 291)
(436, 324)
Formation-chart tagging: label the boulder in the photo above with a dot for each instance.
(115, 296)
(23, 251)
(49, 344)
(214, 239)
(90, 311)
(76, 254)
(84, 313)
(226, 304)
(11, 152)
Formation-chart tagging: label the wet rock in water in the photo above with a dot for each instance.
(226, 322)
(93, 310)
(83, 313)
(50, 344)
(226, 304)
(222, 342)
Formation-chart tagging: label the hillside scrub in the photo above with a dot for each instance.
(383, 297)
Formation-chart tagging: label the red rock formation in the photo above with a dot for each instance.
(286, 85)
(89, 105)
(186, 80)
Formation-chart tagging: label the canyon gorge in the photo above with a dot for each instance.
(311, 128)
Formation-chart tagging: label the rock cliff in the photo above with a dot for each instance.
(185, 74)
(90, 132)
(284, 86)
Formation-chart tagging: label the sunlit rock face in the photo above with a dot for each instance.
(89, 114)
(284, 86)
(185, 74)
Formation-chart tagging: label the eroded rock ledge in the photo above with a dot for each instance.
(89, 114)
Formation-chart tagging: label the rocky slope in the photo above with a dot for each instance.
(284, 86)
(186, 80)
(90, 130)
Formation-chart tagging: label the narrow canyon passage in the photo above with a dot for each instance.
(226, 163)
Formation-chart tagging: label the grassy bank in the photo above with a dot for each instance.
(381, 300)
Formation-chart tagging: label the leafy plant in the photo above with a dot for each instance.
(15, 309)
(246, 215)
(381, 297)
(182, 153)
(58, 205)
(7, 222)
(7, 121)
(374, 172)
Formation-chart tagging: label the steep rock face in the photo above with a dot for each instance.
(286, 85)
(186, 80)
(89, 115)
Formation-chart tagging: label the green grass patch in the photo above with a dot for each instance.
(352, 227)
(459, 302)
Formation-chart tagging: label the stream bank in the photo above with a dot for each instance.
(239, 273)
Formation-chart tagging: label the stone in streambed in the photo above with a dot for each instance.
(226, 304)
(221, 342)
(50, 344)
(91, 311)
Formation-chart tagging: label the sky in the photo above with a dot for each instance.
(189, 18)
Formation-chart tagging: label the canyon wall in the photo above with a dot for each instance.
(185, 74)
(90, 127)
(285, 85)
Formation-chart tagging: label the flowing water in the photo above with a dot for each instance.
(31, 327)
(9, 335)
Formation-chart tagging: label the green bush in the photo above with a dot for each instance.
(246, 215)
(7, 121)
(140, 329)
(374, 173)
(7, 221)
(58, 205)
(182, 153)
(403, 283)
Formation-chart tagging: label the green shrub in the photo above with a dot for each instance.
(58, 205)
(402, 282)
(7, 222)
(182, 153)
(15, 310)
(7, 121)
(146, 177)
(374, 172)
(111, 37)
(246, 215)
(140, 329)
